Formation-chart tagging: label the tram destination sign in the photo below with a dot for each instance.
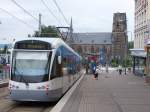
(32, 45)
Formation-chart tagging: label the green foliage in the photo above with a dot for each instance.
(114, 62)
(130, 45)
(127, 62)
(47, 31)
(5, 49)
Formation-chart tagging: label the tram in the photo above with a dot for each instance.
(42, 69)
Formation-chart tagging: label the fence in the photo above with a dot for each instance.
(4, 72)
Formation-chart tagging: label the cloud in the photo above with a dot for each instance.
(88, 15)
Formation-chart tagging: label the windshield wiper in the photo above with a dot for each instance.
(21, 77)
(27, 84)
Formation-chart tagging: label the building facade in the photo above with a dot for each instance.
(142, 23)
(93, 46)
(119, 36)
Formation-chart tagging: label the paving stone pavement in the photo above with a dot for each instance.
(112, 93)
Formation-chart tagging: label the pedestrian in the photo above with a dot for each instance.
(93, 66)
(120, 69)
(87, 68)
(96, 73)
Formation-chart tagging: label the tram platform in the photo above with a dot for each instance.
(110, 93)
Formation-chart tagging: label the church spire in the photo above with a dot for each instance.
(71, 26)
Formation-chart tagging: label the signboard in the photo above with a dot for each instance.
(32, 44)
(147, 41)
(102, 56)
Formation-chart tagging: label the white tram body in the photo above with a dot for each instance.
(42, 69)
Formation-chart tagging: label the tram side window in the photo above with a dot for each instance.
(64, 62)
(56, 69)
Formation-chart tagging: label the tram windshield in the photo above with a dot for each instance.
(30, 67)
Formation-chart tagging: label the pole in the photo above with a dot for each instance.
(40, 15)
(125, 54)
(106, 66)
(126, 51)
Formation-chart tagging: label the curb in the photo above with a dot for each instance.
(60, 105)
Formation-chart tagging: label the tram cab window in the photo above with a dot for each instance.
(29, 67)
(56, 68)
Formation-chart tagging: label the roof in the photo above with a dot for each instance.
(138, 52)
(92, 38)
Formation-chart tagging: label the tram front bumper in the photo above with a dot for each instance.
(35, 95)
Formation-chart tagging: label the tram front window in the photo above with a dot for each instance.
(30, 67)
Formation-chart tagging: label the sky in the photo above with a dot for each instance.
(87, 16)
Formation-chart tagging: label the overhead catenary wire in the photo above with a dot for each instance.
(51, 12)
(20, 20)
(25, 10)
(59, 9)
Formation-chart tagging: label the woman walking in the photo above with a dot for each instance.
(120, 69)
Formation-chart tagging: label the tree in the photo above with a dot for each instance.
(47, 31)
(5, 49)
(114, 62)
(127, 62)
(130, 45)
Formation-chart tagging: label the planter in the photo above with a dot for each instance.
(147, 79)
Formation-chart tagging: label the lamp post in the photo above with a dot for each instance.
(92, 50)
(106, 51)
(126, 51)
(126, 47)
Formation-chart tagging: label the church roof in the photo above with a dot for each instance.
(92, 38)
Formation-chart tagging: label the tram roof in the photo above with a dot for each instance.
(138, 53)
(55, 42)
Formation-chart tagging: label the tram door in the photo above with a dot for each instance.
(56, 75)
(65, 74)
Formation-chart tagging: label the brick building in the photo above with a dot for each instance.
(89, 45)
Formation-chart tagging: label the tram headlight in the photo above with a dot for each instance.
(44, 87)
(13, 86)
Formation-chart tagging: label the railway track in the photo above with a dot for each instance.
(6, 105)
(27, 107)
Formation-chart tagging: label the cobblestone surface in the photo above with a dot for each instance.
(112, 93)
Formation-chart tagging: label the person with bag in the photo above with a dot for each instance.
(120, 69)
